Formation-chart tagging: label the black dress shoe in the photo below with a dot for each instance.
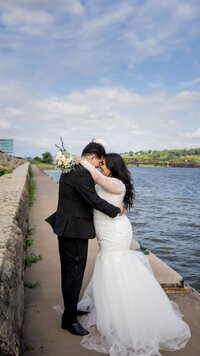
(75, 328)
(81, 312)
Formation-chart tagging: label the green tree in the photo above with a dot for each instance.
(47, 157)
(38, 159)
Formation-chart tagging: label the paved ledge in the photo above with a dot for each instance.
(13, 226)
(166, 276)
(42, 333)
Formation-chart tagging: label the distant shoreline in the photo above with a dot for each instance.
(166, 158)
(168, 164)
(162, 165)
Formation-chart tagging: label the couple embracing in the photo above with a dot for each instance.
(123, 306)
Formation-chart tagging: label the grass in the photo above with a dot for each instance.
(44, 166)
(5, 171)
(29, 242)
(31, 174)
(32, 285)
(32, 186)
(32, 258)
(30, 231)
(28, 347)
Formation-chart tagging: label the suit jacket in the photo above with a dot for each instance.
(77, 198)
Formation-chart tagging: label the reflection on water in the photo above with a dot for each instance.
(166, 216)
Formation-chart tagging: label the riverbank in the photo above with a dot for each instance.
(166, 158)
(42, 332)
(168, 164)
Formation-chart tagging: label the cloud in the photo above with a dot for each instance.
(47, 42)
(120, 118)
(190, 83)
(4, 125)
(195, 134)
(56, 55)
(159, 28)
(18, 16)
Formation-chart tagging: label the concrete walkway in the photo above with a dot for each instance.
(42, 332)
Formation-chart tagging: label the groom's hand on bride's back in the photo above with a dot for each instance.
(122, 210)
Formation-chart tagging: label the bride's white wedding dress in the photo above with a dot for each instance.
(130, 314)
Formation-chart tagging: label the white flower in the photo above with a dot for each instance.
(65, 161)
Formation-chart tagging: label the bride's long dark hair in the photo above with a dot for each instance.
(120, 171)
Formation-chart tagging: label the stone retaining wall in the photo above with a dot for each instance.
(14, 213)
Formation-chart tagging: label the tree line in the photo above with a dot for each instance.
(46, 158)
(183, 158)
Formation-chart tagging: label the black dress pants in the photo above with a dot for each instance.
(73, 257)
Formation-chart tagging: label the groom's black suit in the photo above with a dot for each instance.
(73, 223)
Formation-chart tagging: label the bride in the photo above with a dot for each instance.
(129, 313)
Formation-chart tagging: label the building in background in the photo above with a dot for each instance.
(6, 145)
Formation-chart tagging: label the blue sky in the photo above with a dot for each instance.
(126, 73)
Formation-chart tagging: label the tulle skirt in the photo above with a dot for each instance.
(130, 314)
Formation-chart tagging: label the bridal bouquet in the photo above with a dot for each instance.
(64, 160)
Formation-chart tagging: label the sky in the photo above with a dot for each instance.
(126, 73)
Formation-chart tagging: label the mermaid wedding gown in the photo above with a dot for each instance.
(130, 314)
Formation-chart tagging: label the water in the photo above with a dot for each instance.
(166, 216)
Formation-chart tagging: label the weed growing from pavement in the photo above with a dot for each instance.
(32, 285)
(32, 186)
(32, 258)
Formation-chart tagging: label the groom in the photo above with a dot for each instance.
(73, 223)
